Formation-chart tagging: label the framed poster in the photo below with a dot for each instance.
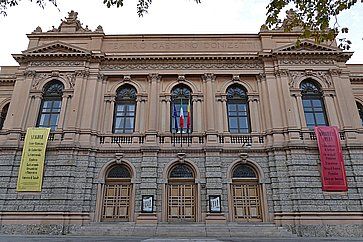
(215, 204)
(147, 204)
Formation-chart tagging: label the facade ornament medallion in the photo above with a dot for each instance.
(181, 157)
(181, 78)
(119, 157)
(236, 78)
(243, 157)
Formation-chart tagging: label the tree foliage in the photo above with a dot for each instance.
(312, 17)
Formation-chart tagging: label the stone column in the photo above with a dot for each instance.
(143, 114)
(152, 127)
(253, 112)
(225, 114)
(220, 121)
(209, 105)
(197, 114)
(330, 109)
(109, 101)
(62, 122)
(35, 101)
(298, 113)
(154, 80)
(165, 113)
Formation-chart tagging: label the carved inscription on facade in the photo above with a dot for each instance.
(147, 45)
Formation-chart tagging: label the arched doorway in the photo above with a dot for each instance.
(117, 194)
(181, 194)
(246, 194)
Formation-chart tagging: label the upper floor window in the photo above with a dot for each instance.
(125, 107)
(3, 114)
(360, 111)
(51, 105)
(181, 109)
(313, 104)
(238, 110)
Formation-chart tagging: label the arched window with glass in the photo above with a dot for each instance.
(238, 110)
(3, 114)
(313, 104)
(51, 105)
(181, 102)
(360, 111)
(125, 110)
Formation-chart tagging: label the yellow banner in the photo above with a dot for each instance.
(32, 160)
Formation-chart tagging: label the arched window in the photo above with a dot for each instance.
(125, 107)
(181, 171)
(51, 105)
(243, 171)
(238, 110)
(313, 104)
(118, 171)
(181, 101)
(360, 111)
(3, 114)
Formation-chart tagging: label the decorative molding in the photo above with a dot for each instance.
(208, 77)
(296, 76)
(70, 78)
(55, 63)
(154, 77)
(281, 72)
(183, 66)
(261, 77)
(306, 61)
(335, 72)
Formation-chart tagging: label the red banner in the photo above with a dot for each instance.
(332, 164)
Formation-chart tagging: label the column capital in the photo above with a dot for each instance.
(154, 77)
(208, 77)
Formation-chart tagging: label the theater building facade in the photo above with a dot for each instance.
(116, 152)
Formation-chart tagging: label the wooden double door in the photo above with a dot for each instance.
(181, 202)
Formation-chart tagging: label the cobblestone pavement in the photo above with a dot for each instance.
(41, 238)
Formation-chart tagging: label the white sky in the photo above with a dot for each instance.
(165, 17)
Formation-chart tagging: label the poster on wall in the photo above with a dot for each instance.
(32, 160)
(147, 203)
(331, 157)
(215, 203)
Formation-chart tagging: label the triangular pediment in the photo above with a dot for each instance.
(56, 47)
(306, 46)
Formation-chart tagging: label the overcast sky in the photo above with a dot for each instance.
(165, 17)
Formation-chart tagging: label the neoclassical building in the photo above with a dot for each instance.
(247, 151)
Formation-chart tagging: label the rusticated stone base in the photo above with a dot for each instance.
(37, 229)
(343, 230)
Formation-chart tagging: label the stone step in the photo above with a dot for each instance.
(183, 230)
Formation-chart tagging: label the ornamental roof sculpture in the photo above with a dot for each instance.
(71, 24)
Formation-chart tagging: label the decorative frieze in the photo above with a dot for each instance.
(306, 61)
(55, 63)
(182, 66)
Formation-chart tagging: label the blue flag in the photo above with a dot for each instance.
(175, 118)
